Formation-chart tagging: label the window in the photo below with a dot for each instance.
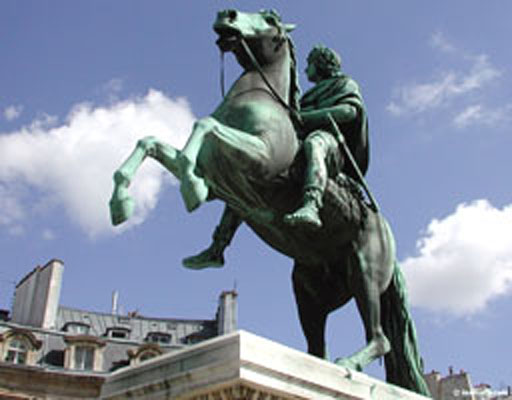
(118, 333)
(84, 357)
(158, 337)
(78, 328)
(17, 352)
(19, 346)
(147, 356)
(84, 353)
(143, 353)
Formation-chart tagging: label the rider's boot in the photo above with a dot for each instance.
(308, 215)
(213, 256)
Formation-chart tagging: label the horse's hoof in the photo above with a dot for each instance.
(348, 363)
(121, 210)
(205, 259)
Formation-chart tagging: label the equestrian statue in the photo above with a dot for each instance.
(293, 170)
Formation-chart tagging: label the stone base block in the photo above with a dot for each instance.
(244, 366)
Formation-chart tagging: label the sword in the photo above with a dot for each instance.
(362, 181)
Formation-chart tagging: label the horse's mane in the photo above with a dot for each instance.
(274, 18)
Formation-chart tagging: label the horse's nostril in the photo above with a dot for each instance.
(232, 15)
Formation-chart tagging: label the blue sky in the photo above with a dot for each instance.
(81, 81)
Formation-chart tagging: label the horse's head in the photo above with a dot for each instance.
(264, 31)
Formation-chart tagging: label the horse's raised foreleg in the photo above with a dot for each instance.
(193, 187)
(121, 204)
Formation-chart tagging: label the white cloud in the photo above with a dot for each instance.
(419, 97)
(71, 165)
(478, 114)
(439, 41)
(11, 211)
(464, 260)
(471, 114)
(12, 112)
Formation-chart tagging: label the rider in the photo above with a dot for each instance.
(337, 94)
(334, 93)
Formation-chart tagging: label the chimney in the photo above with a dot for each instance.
(37, 296)
(227, 313)
(115, 299)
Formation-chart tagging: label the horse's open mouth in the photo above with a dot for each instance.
(228, 37)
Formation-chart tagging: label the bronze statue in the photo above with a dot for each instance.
(336, 94)
(247, 154)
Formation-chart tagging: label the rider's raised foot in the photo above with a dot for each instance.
(308, 215)
(209, 258)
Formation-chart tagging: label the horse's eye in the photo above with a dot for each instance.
(270, 21)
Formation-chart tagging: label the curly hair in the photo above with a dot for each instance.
(327, 61)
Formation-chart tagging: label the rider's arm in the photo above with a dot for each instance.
(342, 113)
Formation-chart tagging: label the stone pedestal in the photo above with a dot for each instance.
(244, 366)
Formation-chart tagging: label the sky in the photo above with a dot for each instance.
(82, 81)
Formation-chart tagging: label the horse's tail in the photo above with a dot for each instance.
(404, 366)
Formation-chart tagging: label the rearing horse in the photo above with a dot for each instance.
(243, 154)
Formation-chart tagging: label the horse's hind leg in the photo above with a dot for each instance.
(121, 204)
(312, 313)
(367, 287)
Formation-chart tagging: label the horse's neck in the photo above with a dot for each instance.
(277, 74)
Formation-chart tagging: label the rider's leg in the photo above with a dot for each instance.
(318, 146)
(213, 256)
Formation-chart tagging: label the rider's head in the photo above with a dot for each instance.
(326, 63)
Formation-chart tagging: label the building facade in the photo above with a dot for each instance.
(49, 351)
(458, 386)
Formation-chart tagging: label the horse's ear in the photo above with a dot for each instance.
(289, 27)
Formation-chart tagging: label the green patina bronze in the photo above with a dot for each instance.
(279, 165)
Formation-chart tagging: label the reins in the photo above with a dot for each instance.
(293, 113)
(257, 65)
(222, 90)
